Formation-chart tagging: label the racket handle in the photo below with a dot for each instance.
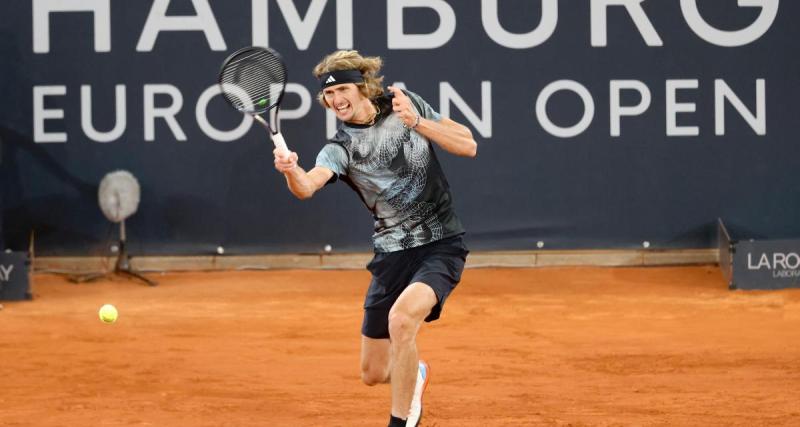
(279, 142)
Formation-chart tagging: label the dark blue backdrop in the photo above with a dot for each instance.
(591, 190)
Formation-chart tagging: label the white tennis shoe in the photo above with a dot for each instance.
(415, 413)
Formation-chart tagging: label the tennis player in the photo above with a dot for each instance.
(384, 151)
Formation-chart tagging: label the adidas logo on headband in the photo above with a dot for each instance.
(340, 76)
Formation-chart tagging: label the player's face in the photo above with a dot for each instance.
(347, 101)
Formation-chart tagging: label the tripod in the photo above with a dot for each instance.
(121, 268)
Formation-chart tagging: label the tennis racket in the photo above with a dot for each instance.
(253, 80)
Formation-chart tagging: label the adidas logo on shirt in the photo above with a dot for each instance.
(330, 80)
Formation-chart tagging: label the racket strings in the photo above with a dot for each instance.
(257, 77)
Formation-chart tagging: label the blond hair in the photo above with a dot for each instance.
(352, 60)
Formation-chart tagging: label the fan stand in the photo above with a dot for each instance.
(121, 268)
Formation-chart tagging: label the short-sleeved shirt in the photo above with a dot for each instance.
(395, 172)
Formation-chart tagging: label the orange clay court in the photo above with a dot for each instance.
(515, 347)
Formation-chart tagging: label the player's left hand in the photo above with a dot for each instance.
(402, 106)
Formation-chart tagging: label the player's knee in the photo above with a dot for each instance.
(402, 327)
(373, 373)
(368, 379)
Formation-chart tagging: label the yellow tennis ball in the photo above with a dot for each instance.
(108, 313)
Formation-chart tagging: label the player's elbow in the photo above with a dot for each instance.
(472, 151)
(470, 147)
(305, 195)
(302, 193)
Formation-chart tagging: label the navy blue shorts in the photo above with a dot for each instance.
(438, 265)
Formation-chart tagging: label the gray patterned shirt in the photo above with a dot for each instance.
(395, 172)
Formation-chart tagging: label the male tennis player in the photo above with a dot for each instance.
(383, 151)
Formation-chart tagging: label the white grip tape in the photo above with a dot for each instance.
(279, 142)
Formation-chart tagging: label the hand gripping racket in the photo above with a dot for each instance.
(252, 80)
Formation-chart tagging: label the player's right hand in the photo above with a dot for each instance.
(285, 161)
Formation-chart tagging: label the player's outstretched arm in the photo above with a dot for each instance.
(453, 137)
(301, 183)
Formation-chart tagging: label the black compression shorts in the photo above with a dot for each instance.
(438, 265)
